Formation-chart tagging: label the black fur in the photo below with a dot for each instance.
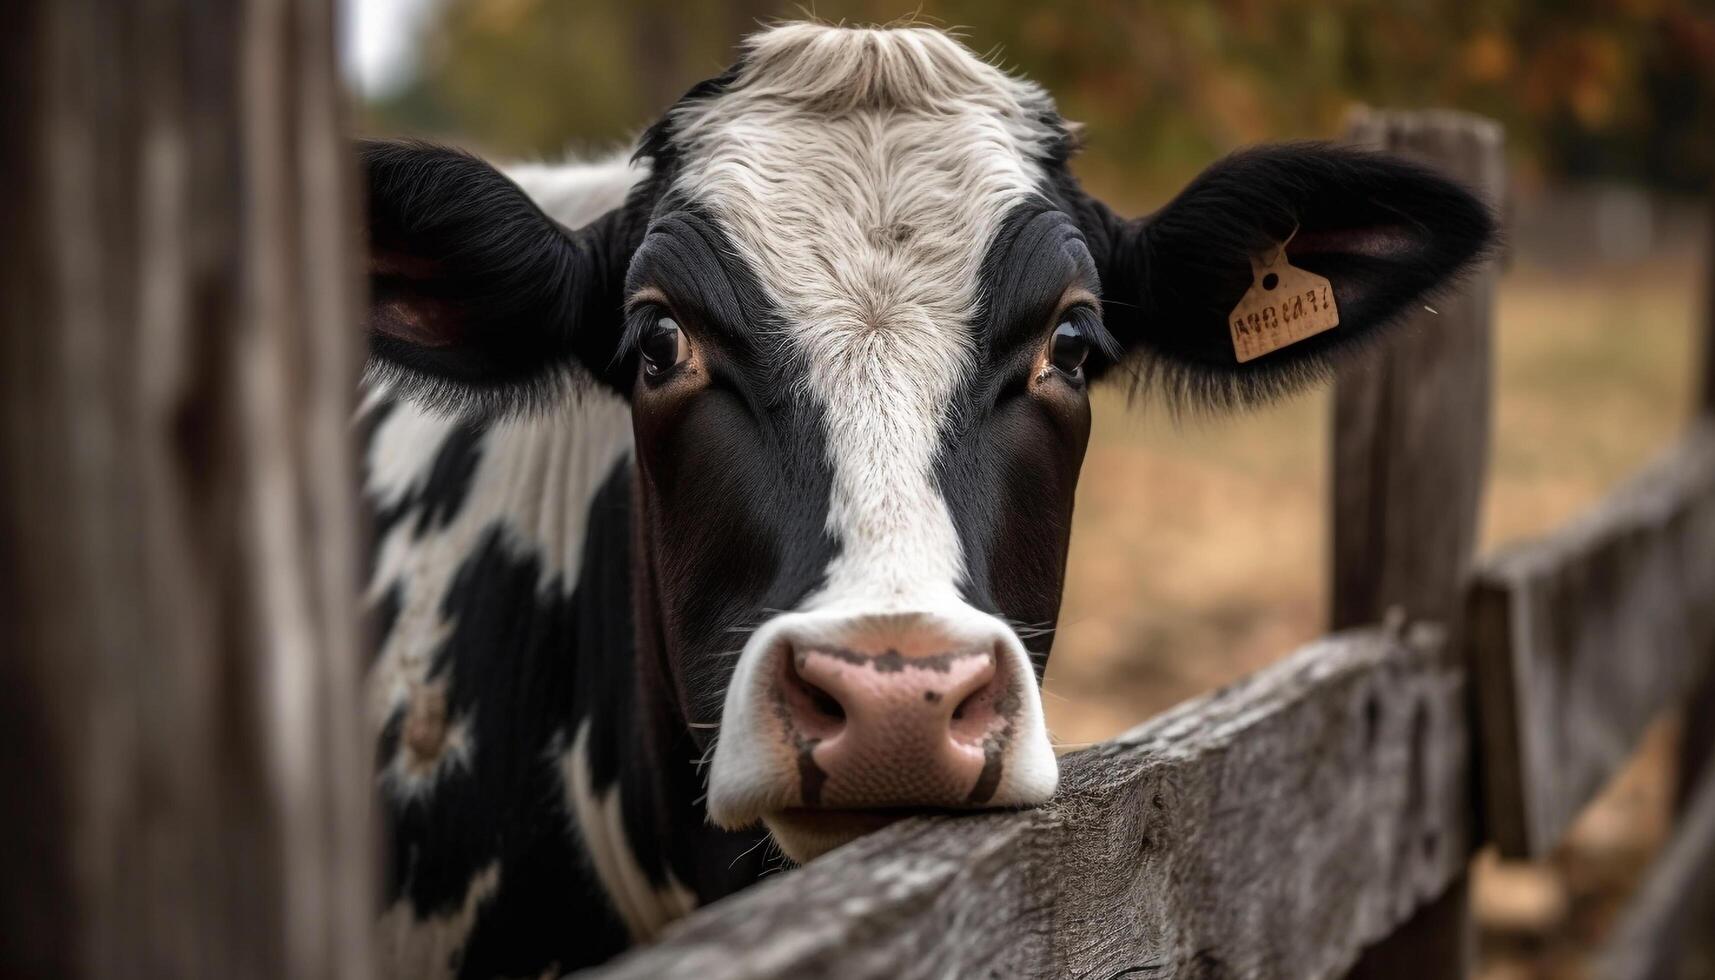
(479, 301)
(1386, 233)
(658, 144)
(382, 617)
(1008, 466)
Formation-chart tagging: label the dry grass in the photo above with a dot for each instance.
(1198, 549)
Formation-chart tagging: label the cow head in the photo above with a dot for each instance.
(857, 308)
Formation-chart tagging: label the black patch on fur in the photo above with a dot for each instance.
(439, 496)
(372, 419)
(383, 614)
(443, 492)
(387, 743)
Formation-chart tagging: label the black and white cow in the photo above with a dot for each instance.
(722, 493)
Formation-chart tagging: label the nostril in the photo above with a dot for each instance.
(973, 701)
(972, 717)
(824, 702)
(814, 712)
(974, 714)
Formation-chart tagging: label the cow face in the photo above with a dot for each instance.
(856, 309)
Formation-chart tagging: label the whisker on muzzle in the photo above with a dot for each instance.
(765, 839)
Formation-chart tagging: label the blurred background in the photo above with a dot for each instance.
(1211, 561)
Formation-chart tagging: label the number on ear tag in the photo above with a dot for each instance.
(1284, 305)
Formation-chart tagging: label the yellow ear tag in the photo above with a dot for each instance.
(1284, 305)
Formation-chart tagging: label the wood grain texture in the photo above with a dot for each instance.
(1411, 424)
(1696, 738)
(1586, 635)
(1665, 932)
(1697, 746)
(1271, 829)
(1706, 389)
(1409, 456)
(178, 351)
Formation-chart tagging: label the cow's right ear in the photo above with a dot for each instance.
(476, 297)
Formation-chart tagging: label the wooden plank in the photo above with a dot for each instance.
(1664, 934)
(1706, 388)
(1586, 635)
(1271, 829)
(186, 786)
(1697, 738)
(1409, 453)
(1411, 425)
(1659, 920)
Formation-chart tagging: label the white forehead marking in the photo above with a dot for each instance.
(862, 174)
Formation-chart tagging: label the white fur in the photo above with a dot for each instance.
(426, 948)
(862, 174)
(577, 194)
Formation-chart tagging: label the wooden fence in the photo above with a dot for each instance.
(1318, 818)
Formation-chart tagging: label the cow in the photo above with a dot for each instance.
(722, 491)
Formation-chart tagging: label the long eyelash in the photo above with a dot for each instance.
(637, 319)
(1089, 320)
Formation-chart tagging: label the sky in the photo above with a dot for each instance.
(377, 40)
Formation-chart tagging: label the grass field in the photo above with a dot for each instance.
(1198, 550)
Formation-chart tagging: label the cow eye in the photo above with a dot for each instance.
(1069, 349)
(663, 347)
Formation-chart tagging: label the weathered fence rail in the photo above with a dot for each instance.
(1317, 818)
(1237, 834)
(1583, 637)
(1666, 933)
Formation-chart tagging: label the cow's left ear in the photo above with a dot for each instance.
(1383, 232)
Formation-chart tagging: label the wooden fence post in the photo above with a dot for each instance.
(186, 787)
(1410, 448)
(1697, 739)
(1697, 728)
(1706, 379)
